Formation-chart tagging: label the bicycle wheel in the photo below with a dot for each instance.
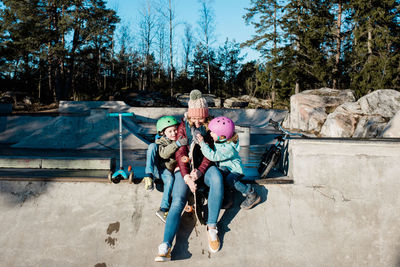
(265, 157)
(270, 158)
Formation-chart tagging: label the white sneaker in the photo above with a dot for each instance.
(213, 240)
(164, 253)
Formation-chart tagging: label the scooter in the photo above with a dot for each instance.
(121, 174)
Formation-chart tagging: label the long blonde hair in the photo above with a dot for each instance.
(234, 138)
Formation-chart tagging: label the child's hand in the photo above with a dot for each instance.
(182, 141)
(195, 174)
(190, 182)
(199, 138)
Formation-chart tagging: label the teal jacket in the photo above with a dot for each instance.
(225, 155)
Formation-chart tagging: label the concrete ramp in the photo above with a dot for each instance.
(15, 128)
(96, 131)
(256, 118)
(85, 125)
(100, 224)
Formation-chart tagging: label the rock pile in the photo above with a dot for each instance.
(244, 101)
(247, 101)
(17, 100)
(212, 100)
(335, 113)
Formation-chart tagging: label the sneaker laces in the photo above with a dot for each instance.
(163, 249)
(213, 234)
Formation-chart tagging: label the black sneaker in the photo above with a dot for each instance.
(162, 215)
(251, 200)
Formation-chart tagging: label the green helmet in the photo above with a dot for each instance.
(165, 122)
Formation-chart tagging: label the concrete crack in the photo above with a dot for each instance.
(332, 197)
(108, 147)
(290, 212)
(316, 188)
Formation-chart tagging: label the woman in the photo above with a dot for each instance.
(193, 122)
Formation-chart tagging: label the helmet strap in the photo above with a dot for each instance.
(221, 140)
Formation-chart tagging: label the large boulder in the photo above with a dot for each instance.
(235, 102)
(343, 121)
(392, 129)
(8, 97)
(366, 118)
(247, 101)
(384, 102)
(255, 102)
(370, 126)
(309, 109)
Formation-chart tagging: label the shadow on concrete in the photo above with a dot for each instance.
(188, 224)
(230, 214)
(21, 192)
(181, 247)
(227, 217)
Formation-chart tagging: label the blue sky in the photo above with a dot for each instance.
(227, 13)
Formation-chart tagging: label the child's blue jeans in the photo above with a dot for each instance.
(233, 181)
(153, 167)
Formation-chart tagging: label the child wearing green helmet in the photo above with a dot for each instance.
(161, 160)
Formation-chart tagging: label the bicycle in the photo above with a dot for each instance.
(273, 153)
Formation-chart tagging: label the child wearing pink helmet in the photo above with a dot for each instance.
(226, 157)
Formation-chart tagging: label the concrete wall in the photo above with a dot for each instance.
(342, 210)
(350, 197)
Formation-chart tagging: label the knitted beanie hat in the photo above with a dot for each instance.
(197, 105)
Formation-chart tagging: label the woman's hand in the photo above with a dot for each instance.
(190, 182)
(199, 138)
(195, 174)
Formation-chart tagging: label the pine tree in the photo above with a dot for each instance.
(199, 67)
(376, 44)
(22, 39)
(308, 27)
(229, 61)
(265, 17)
(34, 35)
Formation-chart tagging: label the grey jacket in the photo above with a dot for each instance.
(166, 150)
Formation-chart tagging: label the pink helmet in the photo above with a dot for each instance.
(222, 126)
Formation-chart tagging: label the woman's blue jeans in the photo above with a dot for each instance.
(213, 179)
(152, 166)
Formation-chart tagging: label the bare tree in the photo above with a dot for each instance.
(169, 14)
(147, 27)
(206, 24)
(125, 40)
(187, 43)
(160, 46)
